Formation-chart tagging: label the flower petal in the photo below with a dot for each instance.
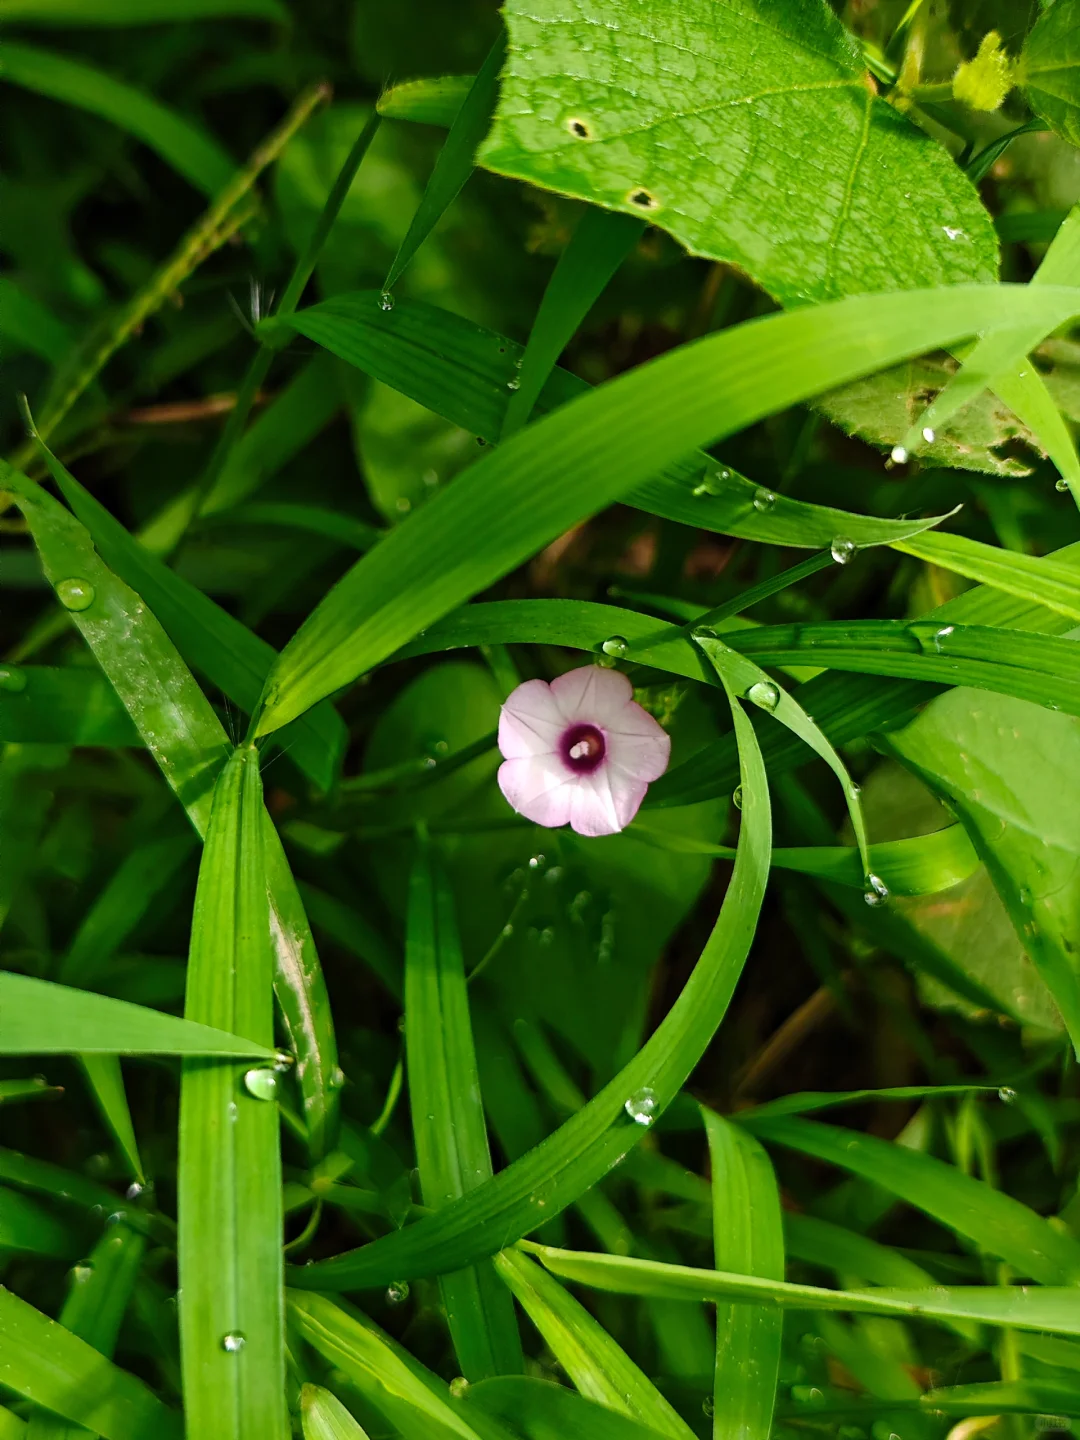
(538, 788)
(592, 694)
(606, 801)
(642, 753)
(530, 722)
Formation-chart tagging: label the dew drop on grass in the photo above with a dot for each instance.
(642, 1106)
(262, 1084)
(713, 482)
(1006, 1095)
(954, 232)
(1062, 485)
(233, 1342)
(616, 646)
(82, 1272)
(899, 455)
(337, 1078)
(134, 1190)
(708, 1407)
(386, 301)
(842, 549)
(513, 384)
(928, 435)
(537, 862)
(736, 797)
(876, 892)
(765, 694)
(397, 1292)
(459, 1387)
(12, 681)
(703, 632)
(942, 635)
(75, 594)
(764, 499)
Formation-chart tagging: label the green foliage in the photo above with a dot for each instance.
(523, 342)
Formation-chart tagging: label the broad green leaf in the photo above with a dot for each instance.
(210, 639)
(591, 452)
(709, 132)
(537, 1187)
(449, 1130)
(542, 1410)
(598, 246)
(325, 1418)
(386, 1374)
(1029, 1307)
(466, 374)
(1049, 65)
(922, 865)
(136, 12)
(46, 705)
(599, 1369)
(229, 1188)
(994, 1221)
(747, 1238)
(975, 752)
(40, 1018)
(45, 1362)
(435, 101)
(188, 148)
(455, 162)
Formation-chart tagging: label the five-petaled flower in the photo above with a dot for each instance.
(579, 751)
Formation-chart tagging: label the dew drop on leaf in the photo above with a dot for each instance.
(397, 1292)
(459, 1387)
(642, 1106)
(764, 499)
(765, 694)
(386, 301)
(876, 892)
(75, 594)
(899, 455)
(616, 646)
(262, 1084)
(233, 1342)
(842, 549)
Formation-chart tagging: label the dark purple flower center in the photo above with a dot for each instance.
(583, 748)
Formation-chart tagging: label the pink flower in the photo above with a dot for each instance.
(579, 751)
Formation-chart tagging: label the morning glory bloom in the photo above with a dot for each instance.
(579, 751)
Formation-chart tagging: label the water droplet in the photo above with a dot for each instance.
(842, 549)
(12, 681)
(116, 1218)
(713, 482)
(134, 1190)
(232, 1112)
(397, 1292)
(75, 594)
(386, 301)
(764, 499)
(765, 694)
(876, 892)
(507, 931)
(262, 1084)
(1062, 486)
(928, 435)
(337, 1078)
(616, 646)
(806, 1395)
(642, 1106)
(1006, 1095)
(459, 1386)
(403, 504)
(942, 635)
(233, 1342)
(736, 797)
(513, 384)
(703, 632)
(82, 1272)
(537, 862)
(899, 455)
(708, 1407)
(954, 232)
(430, 478)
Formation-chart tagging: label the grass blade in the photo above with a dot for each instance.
(598, 1367)
(447, 1115)
(542, 1183)
(228, 1187)
(747, 1237)
(992, 1220)
(106, 1081)
(40, 1018)
(431, 101)
(45, 1362)
(325, 1418)
(542, 1410)
(1051, 1308)
(1038, 579)
(455, 162)
(602, 241)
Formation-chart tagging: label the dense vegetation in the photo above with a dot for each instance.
(373, 1065)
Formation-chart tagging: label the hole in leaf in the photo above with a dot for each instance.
(579, 128)
(643, 199)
